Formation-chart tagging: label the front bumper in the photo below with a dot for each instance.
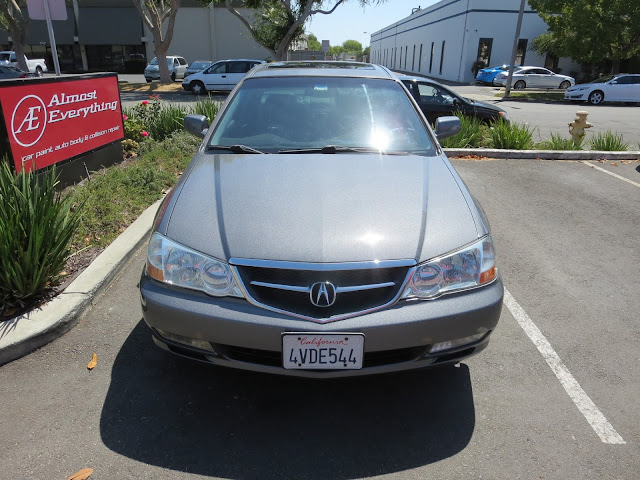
(249, 337)
(580, 95)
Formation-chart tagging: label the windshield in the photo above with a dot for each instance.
(201, 65)
(5, 56)
(155, 61)
(273, 114)
(604, 79)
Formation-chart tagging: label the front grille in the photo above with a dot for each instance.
(289, 289)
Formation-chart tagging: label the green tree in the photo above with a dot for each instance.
(279, 22)
(336, 51)
(590, 31)
(313, 43)
(352, 46)
(15, 22)
(160, 17)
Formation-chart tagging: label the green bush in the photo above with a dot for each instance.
(471, 134)
(208, 108)
(609, 142)
(557, 142)
(510, 136)
(36, 226)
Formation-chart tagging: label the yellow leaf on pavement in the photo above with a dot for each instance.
(81, 474)
(92, 364)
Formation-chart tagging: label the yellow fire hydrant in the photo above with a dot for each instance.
(578, 126)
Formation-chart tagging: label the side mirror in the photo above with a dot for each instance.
(447, 127)
(196, 125)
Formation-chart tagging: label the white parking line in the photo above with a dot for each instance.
(610, 173)
(596, 419)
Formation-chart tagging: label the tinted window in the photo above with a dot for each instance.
(217, 68)
(238, 67)
(270, 114)
(182, 61)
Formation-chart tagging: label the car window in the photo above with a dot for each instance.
(182, 61)
(434, 94)
(217, 68)
(634, 80)
(5, 57)
(271, 114)
(237, 67)
(176, 62)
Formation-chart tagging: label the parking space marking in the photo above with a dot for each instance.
(596, 419)
(610, 173)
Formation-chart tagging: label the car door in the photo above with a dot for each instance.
(181, 68)
(215, 77)
(625, 88)
(545, 78)
(634, 88)
(436, 101)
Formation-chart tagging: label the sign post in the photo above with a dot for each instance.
(49, 10)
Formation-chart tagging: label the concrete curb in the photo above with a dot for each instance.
(24, 334)
(542, 154)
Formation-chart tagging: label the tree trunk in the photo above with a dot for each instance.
(615, 66)
(160, 50)
(18, 47)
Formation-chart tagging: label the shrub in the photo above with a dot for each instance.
(36, 226)
(470, 135)
(208, 108)
(609, 142)
(512, 136)
(556, 142)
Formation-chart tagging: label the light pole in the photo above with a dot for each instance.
(514, 51)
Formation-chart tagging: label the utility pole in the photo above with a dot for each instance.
(514, 51)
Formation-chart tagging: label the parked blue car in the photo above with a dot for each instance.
(486, 75)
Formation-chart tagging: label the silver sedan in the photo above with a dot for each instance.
(535, 77)
(321, 231)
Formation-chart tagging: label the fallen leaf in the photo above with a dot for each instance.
(81, 474)
(614, 164)
(91, 366)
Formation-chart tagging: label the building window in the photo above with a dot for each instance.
(551, 62)
(413, 60)
(420, 59)
(401, 58)
(441, 57)
(406, 51)
(484, 51)
(520, 52)
(431, 59)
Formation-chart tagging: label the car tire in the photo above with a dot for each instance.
(38, 71)
(564, 85)
(197, 88)
(520, 85)
(596, 97)
(148, 80)
(173, 77)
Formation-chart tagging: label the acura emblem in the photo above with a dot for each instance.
(323, 294)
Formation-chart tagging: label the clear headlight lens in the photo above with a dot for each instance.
(170, 262)
(470, 267)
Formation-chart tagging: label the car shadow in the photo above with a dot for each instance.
(182, 415)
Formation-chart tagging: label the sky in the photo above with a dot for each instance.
(350, 21)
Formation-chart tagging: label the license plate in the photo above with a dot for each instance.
(327, 351)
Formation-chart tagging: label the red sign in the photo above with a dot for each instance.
(51, 122)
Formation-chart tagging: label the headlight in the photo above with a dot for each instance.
(470, 267)
(172, 263)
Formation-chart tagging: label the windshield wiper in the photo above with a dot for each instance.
(234, 148)
(332, 149)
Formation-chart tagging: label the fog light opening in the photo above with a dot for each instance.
(459, 342)
(191, 342)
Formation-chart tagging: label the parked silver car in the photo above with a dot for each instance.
(535, 77)
(610, 88)
(177, 68)
(320, 230)
(223, 75)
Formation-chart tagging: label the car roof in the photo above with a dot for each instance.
(320, 68)
(239, 60)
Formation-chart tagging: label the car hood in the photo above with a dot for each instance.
(321, 208)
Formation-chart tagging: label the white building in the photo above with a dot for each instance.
(446, 39)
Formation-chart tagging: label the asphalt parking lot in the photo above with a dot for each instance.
(555, 395)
